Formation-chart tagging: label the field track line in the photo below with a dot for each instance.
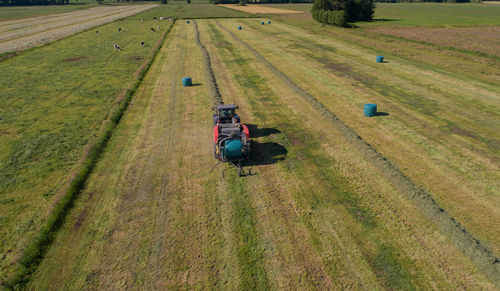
(214, 89)
(463, 240)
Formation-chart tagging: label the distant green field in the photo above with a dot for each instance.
(423, 14)
(10, 13)
(436, 14)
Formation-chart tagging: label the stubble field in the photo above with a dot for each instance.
(404, 200)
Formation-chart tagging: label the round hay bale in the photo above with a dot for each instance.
(262, 22)
(269, 22)
(380, 59)
(239, 27)
(187, 81)
(370, 110)
(187, 21)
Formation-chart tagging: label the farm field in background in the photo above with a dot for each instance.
(330, 202)
(17, 12)
(54, 102)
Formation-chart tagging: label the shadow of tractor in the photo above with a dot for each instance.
(255, 131)
(264, 153)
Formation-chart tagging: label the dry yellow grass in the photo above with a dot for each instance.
(259, 9)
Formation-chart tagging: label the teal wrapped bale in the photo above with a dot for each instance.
(380, 59)
(262, 23)
(370, 110)
(233, 149)
(187, 21)
(187, 81)
(269, 22)
(239, 28)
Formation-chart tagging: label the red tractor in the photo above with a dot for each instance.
(231, 137)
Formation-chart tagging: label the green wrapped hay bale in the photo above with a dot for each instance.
(187, 81)
(370, 110)
(233, 149)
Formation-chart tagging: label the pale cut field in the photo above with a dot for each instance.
(315, 214)
(259, 9)
(19, 35)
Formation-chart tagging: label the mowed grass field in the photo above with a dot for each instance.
(316, 214)
(322, 209)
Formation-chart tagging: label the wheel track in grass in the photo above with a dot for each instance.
(483, 258)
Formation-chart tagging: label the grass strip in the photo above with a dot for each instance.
(35, 252)
(483, 258)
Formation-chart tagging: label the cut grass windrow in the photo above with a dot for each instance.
(469, 245)
(212, 82)
(250, 254)
(35, 251)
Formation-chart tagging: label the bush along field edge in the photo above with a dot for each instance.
(483, 258)
(35, 251)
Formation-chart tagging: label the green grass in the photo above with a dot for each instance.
(17, 12)
(423, 14)
(55, 100)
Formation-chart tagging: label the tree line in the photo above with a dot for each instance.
(341, 12)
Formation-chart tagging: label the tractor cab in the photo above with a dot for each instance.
(225, 113)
